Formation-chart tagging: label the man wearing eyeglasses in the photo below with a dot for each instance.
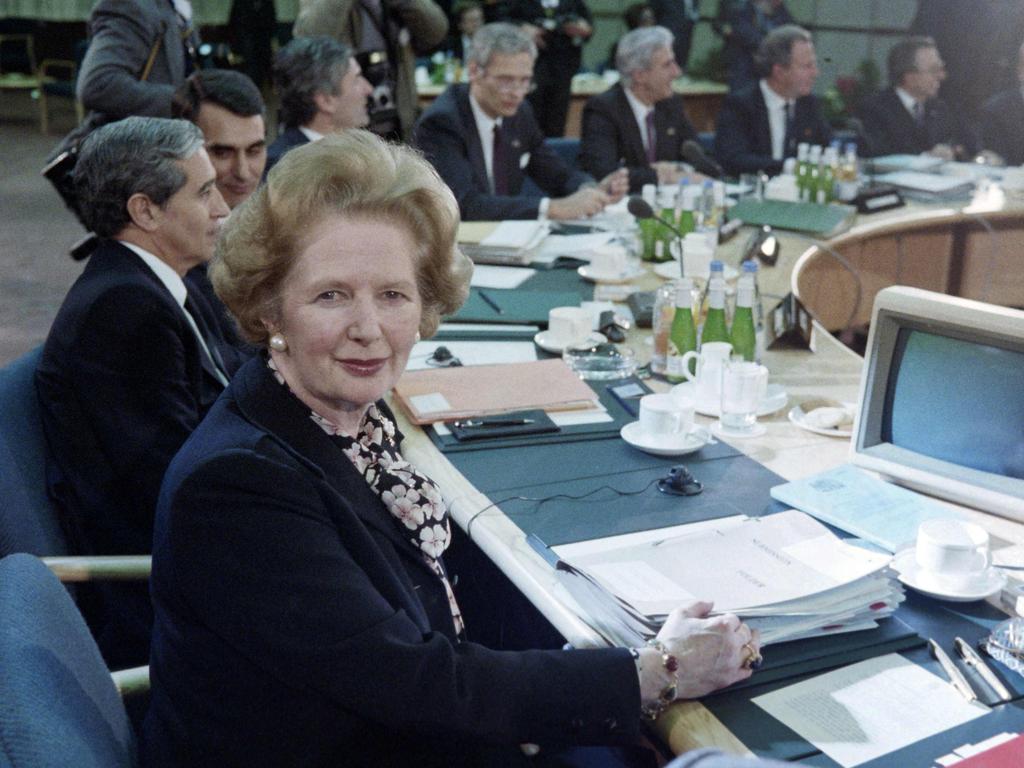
(909, 117)
(483, 139)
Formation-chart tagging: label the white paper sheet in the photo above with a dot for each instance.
(490, 276)
(577, 246)
(474, 352)
(866, 710)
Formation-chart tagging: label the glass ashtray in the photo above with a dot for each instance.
(1006, 644)
(600, 362)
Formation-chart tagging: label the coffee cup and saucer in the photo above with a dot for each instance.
(666, 427)
(951, 560)
(567, 327)
(610, 263)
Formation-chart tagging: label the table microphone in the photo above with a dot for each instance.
(693, 153)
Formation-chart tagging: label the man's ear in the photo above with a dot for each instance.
(322, 101)
(144, 213)
(475, 70)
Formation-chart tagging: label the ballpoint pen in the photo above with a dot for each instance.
(471, 423)
(491, 303)
(956, 677)
(972, 659)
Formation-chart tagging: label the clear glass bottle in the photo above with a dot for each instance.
(847, 183)
(661, 324)
(682, 337)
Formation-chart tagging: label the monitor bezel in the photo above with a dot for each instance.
(900, 307)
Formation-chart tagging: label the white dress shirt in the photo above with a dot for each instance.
(776, 106)
(909, 102)
(310, 134)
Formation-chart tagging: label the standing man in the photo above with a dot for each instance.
(483, 139)
(1002, 120)
(679, 17)
(639, 122)
(760, 126)
(322, 90)
(385, 37)
(909, 117)
(559, 29)
(133, 360)
(745, 25)
(469, 17)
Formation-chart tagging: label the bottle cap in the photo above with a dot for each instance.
(749, 266)
(717, 265)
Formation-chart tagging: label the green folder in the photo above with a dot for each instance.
(512, 306)
(812, 218)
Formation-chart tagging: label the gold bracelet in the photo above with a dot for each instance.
(668, 694)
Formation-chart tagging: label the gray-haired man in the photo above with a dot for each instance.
(484, 140)
(640, 122)
(322, 91)
(133, 360)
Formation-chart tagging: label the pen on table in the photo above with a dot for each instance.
(955, 676)
(470, 423)
(491, 302)
(972, 659)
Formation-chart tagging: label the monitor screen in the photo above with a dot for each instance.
(957, 400)
(942, 398)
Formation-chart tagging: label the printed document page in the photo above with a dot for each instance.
(778, 558)
(866, 710)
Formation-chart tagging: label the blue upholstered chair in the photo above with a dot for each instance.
(568, 149)
(60, 706)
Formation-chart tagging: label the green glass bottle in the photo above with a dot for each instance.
(714, 324)
(667, 203)
(649, 229)
(682, 336)
(744, 335)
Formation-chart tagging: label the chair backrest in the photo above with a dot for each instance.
(568, 149)
(60, 706)
(28, 518)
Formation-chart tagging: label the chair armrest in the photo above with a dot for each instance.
(66, 65)
(131, 682)
(100, 568)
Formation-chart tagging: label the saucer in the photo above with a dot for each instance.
(911, 574)
(545, 341)
(774, 400)
(589, 272)
(670, 271)
(798, 415)
(728, 434)
(666, 445)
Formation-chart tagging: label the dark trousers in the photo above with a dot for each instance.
(553, 74)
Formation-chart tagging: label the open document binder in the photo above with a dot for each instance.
(785, 574)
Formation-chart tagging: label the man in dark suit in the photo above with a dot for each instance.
(639, 122)
(559, 28)
(678, 17)
(133, 359)
(322, 90)
(469, 17)
(909, 117)
(483, 139)
(1002, 120)
(760, 126)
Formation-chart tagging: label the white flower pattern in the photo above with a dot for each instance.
(412, 498)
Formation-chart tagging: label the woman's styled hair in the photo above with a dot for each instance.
(352, 173)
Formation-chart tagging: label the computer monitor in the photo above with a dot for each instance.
(942, 399)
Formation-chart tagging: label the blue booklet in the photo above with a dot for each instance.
(859, 503)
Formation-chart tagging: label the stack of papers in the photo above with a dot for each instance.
(907, 163)
(786, 575)
(929, 185)
(505, 242)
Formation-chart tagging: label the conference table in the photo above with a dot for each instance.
(828, 370)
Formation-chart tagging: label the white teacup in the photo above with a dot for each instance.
(712, 357)
(954, 553)
(569, 325)
(662, 415)
(609, 259)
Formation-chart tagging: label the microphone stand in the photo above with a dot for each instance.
(642, 210)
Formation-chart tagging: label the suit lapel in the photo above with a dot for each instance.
(630, 130)
(761, 124)
(474, 148)
(272, 408)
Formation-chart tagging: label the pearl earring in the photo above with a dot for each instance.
(277, 343)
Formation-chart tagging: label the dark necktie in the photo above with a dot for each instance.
(652, 137)
(210, 352)
(919, 111)
(789, 142)
(499, 163)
